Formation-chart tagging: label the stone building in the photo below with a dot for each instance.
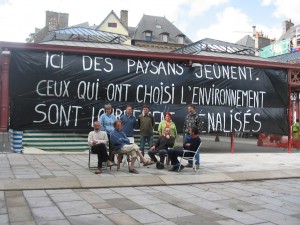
(54, 21)
(157, 34)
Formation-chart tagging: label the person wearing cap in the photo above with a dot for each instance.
(167, 123)
(107, 120)
(146, 124)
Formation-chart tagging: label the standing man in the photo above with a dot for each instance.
(146, 124)
(161, 147)
(98, 140)
(128, 122)
(192, 119)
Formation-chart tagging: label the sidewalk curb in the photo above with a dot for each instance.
(142, 180)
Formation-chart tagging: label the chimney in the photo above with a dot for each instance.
(124, 17)
(63, 20)
(55, 20)
(254, 31)
(286, 25)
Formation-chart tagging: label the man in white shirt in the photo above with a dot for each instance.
(98, 140)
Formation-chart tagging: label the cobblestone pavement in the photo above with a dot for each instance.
(232, 203)
(22, 171)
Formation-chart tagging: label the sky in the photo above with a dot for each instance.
(227, 20)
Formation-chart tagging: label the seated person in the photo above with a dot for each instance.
(121, 144)
(98, 139)
(192, 144)
(161, 147)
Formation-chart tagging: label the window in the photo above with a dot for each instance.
(165, 37)
(180, 40)
(52, 23)
(112, 24)
(148, 36)
(297, 36)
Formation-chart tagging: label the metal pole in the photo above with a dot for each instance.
(290, 105)
(232, 142)
(4, 102)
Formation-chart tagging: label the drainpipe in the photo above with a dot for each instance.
(4, 98)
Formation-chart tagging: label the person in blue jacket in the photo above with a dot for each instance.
(107, 120)
(128, 121)
(121, 144)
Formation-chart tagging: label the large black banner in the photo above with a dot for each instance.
(56, 91)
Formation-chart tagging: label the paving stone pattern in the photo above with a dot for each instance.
(234, 203)
(74, 166)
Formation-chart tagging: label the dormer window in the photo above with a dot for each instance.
(148, 35)
(180, 39)
(165, 37)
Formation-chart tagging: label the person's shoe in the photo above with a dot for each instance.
(133, 171)
(197, 167)
(160, 166)
(188, 165)
(109, 163)
(181, 168)
(98, 171)
(173, 168)
(148, 163)
(157, 164)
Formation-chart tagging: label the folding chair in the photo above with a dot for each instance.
(166, 157)
(190, 157)
(104, 165)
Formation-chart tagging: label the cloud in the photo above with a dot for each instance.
(199, 7)
(283, 8)
(266, 2)
(227, 27)
(19, 18)
(287, 9)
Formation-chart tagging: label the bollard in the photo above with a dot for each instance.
(217, 139)
(17, 141)
(11, 139)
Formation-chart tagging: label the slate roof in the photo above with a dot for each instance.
(235, 56)
(84, 24)
(94, 45)
(247, 40)
(131, 31)
(212, 45)
(290, 33)
(85, 34)
(151, 23)
(289, 57)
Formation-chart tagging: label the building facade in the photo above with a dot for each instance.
(158, 34)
